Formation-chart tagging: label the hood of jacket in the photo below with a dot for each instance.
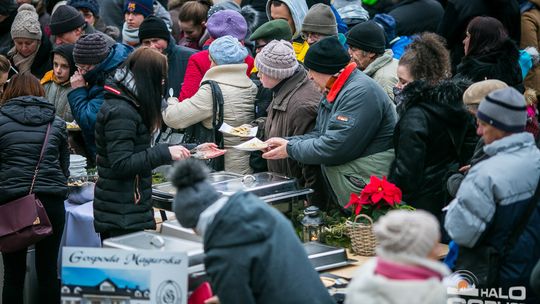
(229, 74)
(444, 101)
(380, 62)
(29, 110)
(119, 53)
(123, 86)
(298, 9)
(243, 220)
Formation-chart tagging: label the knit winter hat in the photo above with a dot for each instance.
(143, 7)
(91, 5)
(409, 233)
(227, 22)
(7, 7)
(194, 193)
(479, 90)
(153, 27)
(277, 29)
(65, 19)
(26, 23)
(277, 60)
(367, 36)
(505, 109)
(320, 19)
(327, 56)
(91, 49)
(227, 50)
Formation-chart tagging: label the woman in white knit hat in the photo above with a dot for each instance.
(293, 109)
(31, 53)
(406, 270)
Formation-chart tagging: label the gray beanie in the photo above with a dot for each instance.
(277, 60)
(227, 50)
(408, 233)
(91, 49)
(26, 23)
(320, 19)
(194, 193)
(505, 109)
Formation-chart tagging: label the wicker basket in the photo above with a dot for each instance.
(363, 240)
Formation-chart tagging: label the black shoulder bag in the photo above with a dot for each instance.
(484, 261)
(199, 134)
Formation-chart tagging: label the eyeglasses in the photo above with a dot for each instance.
(84, 69)
(314, 36)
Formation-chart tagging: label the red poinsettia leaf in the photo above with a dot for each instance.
(377, 197)
(353, 200)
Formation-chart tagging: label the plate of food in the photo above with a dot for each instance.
(208, 153)
(244, 130)
(73, 126)
(254, 144)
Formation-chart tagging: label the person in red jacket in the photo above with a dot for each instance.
(221, 23)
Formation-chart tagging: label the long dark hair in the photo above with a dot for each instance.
(486, 34)
(149, 69)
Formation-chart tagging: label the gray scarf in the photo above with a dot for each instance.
(130, 36)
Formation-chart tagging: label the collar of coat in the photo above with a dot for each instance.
(119, 91)
(340, 82)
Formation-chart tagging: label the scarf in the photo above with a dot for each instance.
(23, 64)
(49, 76)
(130, 36)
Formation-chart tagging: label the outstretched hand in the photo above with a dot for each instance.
(277, 149)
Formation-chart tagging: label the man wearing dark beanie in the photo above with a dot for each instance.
(367, 47)
(253, 254)
(68, 25)
(154, 33)
(352, 138)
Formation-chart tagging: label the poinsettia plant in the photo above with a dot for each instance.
(376, 199)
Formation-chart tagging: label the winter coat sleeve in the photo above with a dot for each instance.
(192, 79)
(180, 115)
(470, 212)
(410, 151)
(84, 108)
(340, 142)
(230, 280)
(529, 31)
(120, 133)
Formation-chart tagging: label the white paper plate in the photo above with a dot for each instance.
(227, 129)
(248, 145)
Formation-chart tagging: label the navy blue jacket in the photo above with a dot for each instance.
(177, 59)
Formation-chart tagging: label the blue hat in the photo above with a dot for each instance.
(505, 109)
(143, 7)
(227, 50)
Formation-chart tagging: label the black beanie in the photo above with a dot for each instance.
(194, 193)
(367, 36)
(327, 56)
(65, 19)
(153, 27)
(66, 51)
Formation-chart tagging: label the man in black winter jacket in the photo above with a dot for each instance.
(253, 254)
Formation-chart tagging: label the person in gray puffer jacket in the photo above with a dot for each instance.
(253, 254)
(495, 194)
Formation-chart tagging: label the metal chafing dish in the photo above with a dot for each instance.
(270, 187)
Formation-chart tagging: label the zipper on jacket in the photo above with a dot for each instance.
(136, 193)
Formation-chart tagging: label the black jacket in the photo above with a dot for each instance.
(458, 13)
(23, 123)
(416, 16)
(177, 58)
(501, 64)
(124, 161)
(434, 134)
(253, 255)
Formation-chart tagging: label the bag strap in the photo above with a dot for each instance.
(217, 111)
(518, 230)
(45, 141)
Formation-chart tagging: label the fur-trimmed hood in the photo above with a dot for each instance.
(444, 100)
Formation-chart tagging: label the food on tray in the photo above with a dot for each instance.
(77, 183)
(242, 130)
(259, 145)
(72, 126)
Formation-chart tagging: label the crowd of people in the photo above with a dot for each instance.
(438, 96)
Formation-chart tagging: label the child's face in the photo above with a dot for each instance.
(60, 68)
